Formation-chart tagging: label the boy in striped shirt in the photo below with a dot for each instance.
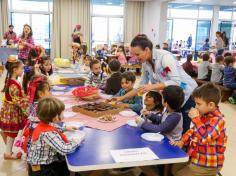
(207, 138)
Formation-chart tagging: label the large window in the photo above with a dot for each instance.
(186, 19)
(107, 22)
(36, 13)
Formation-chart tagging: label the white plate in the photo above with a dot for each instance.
(58, 93)
(128, 113)
(75, 124)
(69, 114)
(75, 134)
(132, 123)
(154, 137)
(59, 88)
(68, 106)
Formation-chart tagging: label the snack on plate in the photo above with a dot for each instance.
(107, 118)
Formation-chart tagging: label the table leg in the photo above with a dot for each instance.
(97, 173)
(149, 171)
(167, 168)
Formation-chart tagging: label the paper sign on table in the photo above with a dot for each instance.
(132, 155)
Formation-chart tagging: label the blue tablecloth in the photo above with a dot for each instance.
(5, 52)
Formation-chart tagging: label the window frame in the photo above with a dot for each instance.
(31, 12)
(108, 41)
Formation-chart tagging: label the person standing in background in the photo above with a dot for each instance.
(189, 41)
(10, 35)
(77, 35)
(25, 43)
(225, 40)
(219, 43)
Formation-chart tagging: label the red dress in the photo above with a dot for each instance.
(14, 110)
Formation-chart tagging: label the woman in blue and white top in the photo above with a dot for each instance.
(161, 69)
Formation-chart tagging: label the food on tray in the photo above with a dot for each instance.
(73, 81)
(96, 109)
(107, 118)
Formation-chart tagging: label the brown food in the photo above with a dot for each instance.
(107, 118)
(73, 81)
(97, 109)
(90, 97)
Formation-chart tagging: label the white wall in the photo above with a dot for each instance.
(155, 20)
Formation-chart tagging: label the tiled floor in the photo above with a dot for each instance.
(17, 168)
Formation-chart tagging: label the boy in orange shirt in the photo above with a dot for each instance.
(207, 138)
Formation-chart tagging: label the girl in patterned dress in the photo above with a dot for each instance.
(14, 109)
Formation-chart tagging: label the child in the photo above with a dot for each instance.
(171, 122)
(188, 66)
(127, 84)
(218, 70)
(96, 78)
(86, 64)
(229, 80)
(14, 109)
(207, 138)
(121, 55)
(153, 102)
(204, 68)
(46, 66)
(35, 55)
(113, 84)
(47, 142)
(75, 52)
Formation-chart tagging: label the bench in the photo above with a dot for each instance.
(225, 92)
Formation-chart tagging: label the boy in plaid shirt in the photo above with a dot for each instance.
(96, 78)
(48, 145)
(207, 138)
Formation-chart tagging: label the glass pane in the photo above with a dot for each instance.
(205, 12)
(180, 10)
(182, 33)
(169, 29)
(203, 32)
(27, 5)
(115, 30)
(225, 13)
(107, 10)
(19, 20)
(225, 26)
(41, 29)
(99, 29)
(50, 6)
(108, 7)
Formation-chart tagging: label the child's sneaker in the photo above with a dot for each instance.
(232, 100)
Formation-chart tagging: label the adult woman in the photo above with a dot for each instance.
(219, 43)
(161, 69)
(25, 43)
(225, 40)
(77, 35)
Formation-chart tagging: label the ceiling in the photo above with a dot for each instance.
(209, 2)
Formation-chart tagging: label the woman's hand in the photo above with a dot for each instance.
(146, 88)
(123, 106)
(116, 99)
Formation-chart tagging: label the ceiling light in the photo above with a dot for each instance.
(234, 2)
(109, 3)
(197, 0)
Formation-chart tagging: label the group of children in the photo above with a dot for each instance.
(221, 72)
(40, 116)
